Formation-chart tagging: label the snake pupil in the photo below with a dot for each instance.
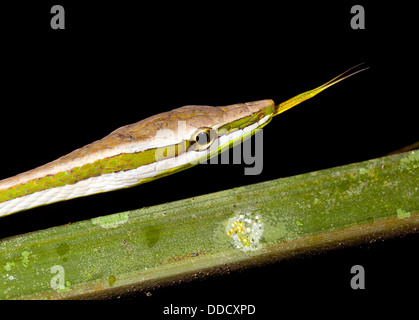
(202, 138)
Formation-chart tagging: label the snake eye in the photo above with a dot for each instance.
(203, 138)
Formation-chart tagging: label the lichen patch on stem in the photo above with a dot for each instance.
(246, 231)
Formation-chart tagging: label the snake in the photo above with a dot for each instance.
(144, 151)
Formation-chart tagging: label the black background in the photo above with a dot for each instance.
(119, 62)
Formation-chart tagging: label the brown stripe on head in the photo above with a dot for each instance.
(160, 130)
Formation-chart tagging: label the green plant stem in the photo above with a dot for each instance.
(215, 233)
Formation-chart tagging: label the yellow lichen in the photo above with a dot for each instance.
(246, 231)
